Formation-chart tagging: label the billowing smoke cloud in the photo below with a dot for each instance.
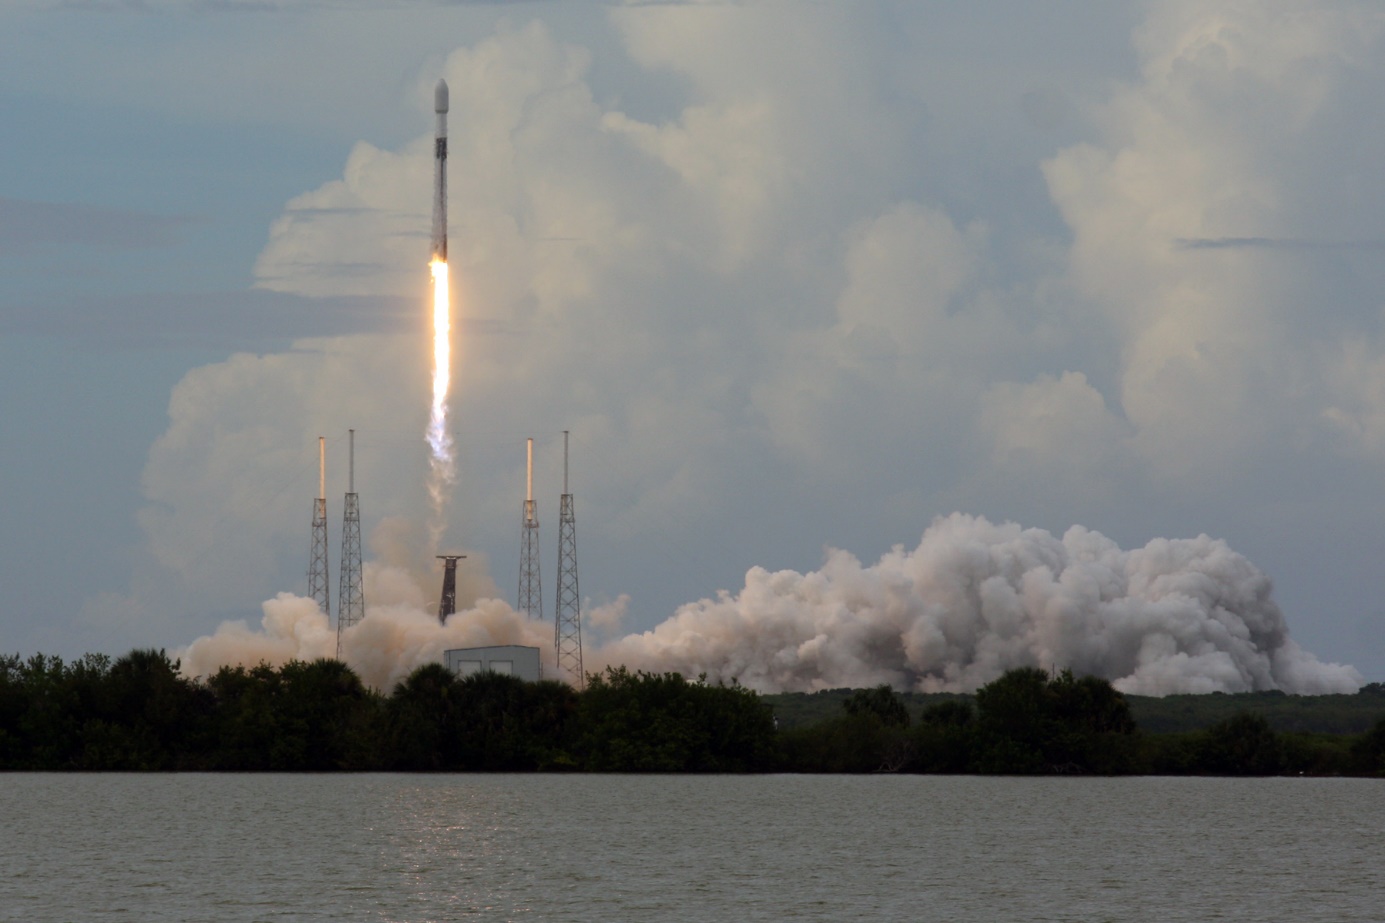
(396, 637)
(387, 645)
(400, 631)
(975, 599)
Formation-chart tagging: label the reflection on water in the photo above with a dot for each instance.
(419, 848)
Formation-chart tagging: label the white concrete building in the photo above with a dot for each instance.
(509, 659)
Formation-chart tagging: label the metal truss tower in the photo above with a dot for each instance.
(448, 604)
(530, 586)
(350, 594)
(317, 563)
(568, 624)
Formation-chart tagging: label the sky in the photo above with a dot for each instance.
(799, 278)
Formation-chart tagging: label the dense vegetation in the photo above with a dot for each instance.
(1328, 714)
(138, 713)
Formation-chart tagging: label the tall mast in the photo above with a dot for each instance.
(317, 561)
(351, 595)
(568, 624)
(530, 599)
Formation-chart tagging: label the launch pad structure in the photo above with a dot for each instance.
(567, 621)
(530, 585)
(318, 588)
(351, 594)
(448, 604)
(567, 624)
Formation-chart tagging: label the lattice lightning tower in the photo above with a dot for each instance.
(530, 586)
(317, 563)
(568, 624)
(351, 594)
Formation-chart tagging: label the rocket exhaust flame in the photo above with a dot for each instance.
(443, 467)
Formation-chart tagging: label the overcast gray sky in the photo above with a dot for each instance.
(797, 276)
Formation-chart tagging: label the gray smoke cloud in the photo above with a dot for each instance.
(399, 633)
(975, 599)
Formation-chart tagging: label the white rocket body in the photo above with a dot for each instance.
(440, 173)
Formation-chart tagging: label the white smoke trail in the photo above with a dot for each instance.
(976, 599)
(442, 465)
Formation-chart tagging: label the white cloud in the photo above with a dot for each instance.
(1055, 429)
(1212, 144)
(760, 326)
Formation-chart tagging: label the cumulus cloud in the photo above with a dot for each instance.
(242, 440)
(1227, 151)
(1053, 430)
(769, 322)
(563, 292)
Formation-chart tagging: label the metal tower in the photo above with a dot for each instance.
(568, 624)
(448, 604)
(317, 564)
(350, 594)
(530, 587)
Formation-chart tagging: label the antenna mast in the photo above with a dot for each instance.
(568, 624)
(351, 594)
(317, 563)
(530, 586)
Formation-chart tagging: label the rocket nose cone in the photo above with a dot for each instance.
(440, 97)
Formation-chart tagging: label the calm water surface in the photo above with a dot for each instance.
(500, 847)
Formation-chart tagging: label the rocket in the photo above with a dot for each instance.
(440, 173)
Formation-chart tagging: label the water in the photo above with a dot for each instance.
(628, 848)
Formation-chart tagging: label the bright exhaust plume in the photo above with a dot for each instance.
(442, 464)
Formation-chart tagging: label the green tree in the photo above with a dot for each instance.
(845, 743)
(425, 721)
(882, 702)
(881, 721)
(944, 737)
(508, 724)
(1242, 745)
(1368, 752)
(1030, 722)
(144, 715)
(660, 722)
(58, 697)
(247, 727)
(14, 704)
(325, 708)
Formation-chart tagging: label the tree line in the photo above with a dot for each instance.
(1333, 713)
(137, 713)
(1031, 722)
